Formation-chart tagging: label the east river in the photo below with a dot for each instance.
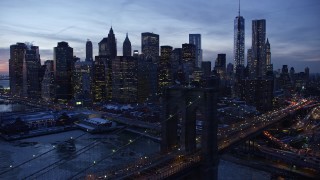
(63, 155)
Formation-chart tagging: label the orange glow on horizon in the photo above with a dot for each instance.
(4, 67)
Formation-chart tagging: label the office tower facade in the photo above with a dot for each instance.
(230, 68)
(188, 60)
(239, 41)
(89, 49)
(99, 85)
(111, 44)
(17, 58)
(126, 48)
(63, 65)
(125, 81)
(258, 92)
(206, 68)
(103, 44)
(249, 61)
(32, 72)
(147, 79)
(176, 60)
(196, 40)
(188, 53)
(306, 71)
(269, 65)
(82, 82)
(164, 68)
(150, 45)
(220, 65)
(285, 81)
(292, 71)
(258, 48)
(47, 85)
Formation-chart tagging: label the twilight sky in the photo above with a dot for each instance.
(293, 26)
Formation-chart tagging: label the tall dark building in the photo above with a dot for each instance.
(239, 41)
(269, 66)
(127, 47)
(147, 79)
(150, 45)
(24, 69)
(188, 60)
(164, 68)
(89, 54)
(258, 92)
(258, 67)
(284, 81)
(230, 69)
(63, 65)
(108, 46)
(220, 65)
(125, 80)
(176, 61)
(188, 53)
(306, 71)
(32, 72)
(206, 68)
(47, 85)
(99, 89)
(249, 59)
(196, 40)
(103, 45)
(82, 82)
(16, 61)
(111, 44)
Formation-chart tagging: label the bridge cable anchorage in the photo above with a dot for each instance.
(130, 141)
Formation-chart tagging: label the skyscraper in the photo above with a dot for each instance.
(269, 66)
(249, 60)
(196, 40)
(99, 89)
(220, 65)
(24, 68)
(258, 48)
(103, 44)
(111, 44)
(239, 39)
(147, 79)
(124, 81)
(188, 53)
(188, 59)
(32, 70)
(206, 68)
(82, 81)
(47, 90)
(89, 56)
(63, 64)
(164, 68)
(16, 61)
(150, 45)
(127, 47)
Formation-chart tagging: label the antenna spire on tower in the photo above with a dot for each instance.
(239, 8)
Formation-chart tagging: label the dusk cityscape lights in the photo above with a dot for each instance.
(159, 90)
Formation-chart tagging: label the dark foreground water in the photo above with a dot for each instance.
(12, 107)
(4, 83)
(64, 159)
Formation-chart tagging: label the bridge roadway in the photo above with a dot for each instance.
(227, 138)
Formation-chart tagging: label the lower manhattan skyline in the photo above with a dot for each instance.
(292, 26)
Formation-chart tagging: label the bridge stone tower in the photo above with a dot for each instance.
(187, 101)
